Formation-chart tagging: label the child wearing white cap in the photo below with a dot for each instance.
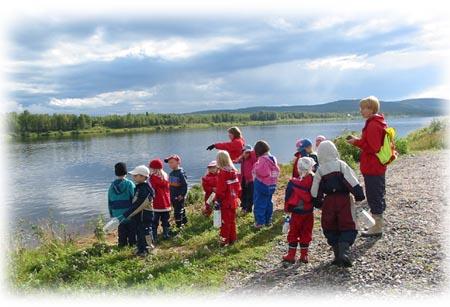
(142, 210)
(209, 184)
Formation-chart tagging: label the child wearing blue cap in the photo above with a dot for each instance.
(304, 149)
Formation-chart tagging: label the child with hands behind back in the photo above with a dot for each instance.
(298, 202)
(159, 181)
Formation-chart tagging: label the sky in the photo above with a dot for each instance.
(177, 64)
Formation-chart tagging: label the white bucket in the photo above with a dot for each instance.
(365, 219)
(217, 219)
(210, 199)
(111, 225)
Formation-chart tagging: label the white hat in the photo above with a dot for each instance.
(306, 163)
(141, 170)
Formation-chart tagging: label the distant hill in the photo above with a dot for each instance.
(418, 106)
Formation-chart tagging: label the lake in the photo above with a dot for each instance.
(69, 178)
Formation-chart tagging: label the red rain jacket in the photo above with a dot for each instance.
(370, 143)
(209, 181)
(228, 189)
(161, 202)
(234, 148)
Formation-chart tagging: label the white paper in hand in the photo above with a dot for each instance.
(111, 225)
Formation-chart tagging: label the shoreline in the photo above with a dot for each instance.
(104, 131)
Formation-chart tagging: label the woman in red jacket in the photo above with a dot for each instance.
(228, 192)
(373, 171)
(234, 146)
(159, 181)
(209, 184)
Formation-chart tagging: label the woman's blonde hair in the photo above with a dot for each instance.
(370, 102)
(223, 160)
(235, 131)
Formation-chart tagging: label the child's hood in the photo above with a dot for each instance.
(327, 152)
(378, 118)
(119, 186)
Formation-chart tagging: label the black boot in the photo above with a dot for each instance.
(344, 258)
(336, 260)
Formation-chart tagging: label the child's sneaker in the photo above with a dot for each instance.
(258, 226)
(166, 233)
(141, 254)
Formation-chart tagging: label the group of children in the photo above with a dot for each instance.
(319, 180)
(140, 207)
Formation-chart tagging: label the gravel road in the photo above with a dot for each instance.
(407, 260)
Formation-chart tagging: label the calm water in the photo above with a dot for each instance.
(69, 178)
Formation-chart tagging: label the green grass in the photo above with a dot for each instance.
(191, 261)
(432, 137)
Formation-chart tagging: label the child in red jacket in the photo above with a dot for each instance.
(298, 202)
(159, 181)
(372, 169)
(209, 184)
(228, 192)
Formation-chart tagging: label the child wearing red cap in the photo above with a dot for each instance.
(178, 189)
(209, 184)
(159, 180)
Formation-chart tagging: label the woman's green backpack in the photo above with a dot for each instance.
(387, 153)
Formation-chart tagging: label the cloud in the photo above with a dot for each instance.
(184, 65)
(104, 99)
(345, 62)
(95, 48)
(371, 26)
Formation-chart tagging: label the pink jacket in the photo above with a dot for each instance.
(266, 170)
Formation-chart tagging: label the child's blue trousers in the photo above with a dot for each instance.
(262, 202)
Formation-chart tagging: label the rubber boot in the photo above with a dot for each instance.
(290, 256)
(166, 233)
(336, 255)
(344, 251)
(304, 254)
(377, 229)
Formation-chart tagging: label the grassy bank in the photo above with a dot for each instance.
(193, 260)
(103, 131)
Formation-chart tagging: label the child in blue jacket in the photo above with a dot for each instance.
(120, 198)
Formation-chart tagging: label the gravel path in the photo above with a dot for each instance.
(407, 260)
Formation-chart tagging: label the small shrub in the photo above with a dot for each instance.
(195, 195)
(348, 153)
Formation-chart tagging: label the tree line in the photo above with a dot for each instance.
(26, 122)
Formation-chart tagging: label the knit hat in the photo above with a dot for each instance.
(302, 144)
(176, 157)
(120, 169)
(247, 148)
(320, 138)
(156, 164)
(213, 163)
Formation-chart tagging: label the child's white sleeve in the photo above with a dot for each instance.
(315, 185)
